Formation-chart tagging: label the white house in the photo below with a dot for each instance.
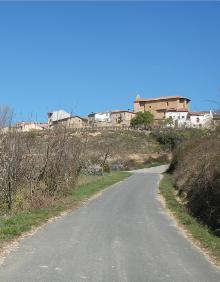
(201, 119)
(103, 117)
(179, 117)
(99, 119)
(182, 118)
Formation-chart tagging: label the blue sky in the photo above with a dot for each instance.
(85, 57)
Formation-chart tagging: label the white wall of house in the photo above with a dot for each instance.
(179, 118)
(186, 119)
(196, 120)
(201, 120)
(103, 117)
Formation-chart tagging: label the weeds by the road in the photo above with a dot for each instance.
(13, 226)
(86, 190)
(199, 232)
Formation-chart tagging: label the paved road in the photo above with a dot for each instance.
(123, 235)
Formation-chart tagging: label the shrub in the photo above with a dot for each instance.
(197, 177)
(38, 167)
(106, 168)
(170, 137)
(145, 119)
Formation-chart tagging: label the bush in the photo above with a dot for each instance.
(170, 138)
(106, 168)
(196, 167)
(37, 168)
(143, 119)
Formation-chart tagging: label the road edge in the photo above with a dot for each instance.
(12, 245)
(185, 232)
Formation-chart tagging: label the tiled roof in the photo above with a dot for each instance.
(121, 111)
(198, 113)
(71, 117)
(177, 110)
(160, 98)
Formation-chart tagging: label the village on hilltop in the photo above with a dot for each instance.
(174, 108)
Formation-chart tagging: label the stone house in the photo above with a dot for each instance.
(30, 126)
(71, 122)
(54, 117)
(121, 117)
(77, 122)
(159, 106)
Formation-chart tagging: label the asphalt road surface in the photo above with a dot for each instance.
(122, 235)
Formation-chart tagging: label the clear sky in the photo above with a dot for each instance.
(85, 57)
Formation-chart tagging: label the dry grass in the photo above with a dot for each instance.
(200, 234)
(197, 178)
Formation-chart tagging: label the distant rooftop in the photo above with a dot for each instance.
(58, 115)
(138, 99)
(177, 110)
(121, 111)
(199, 113)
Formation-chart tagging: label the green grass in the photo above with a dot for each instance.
(198, 231)
(13, 226)
(84, 191)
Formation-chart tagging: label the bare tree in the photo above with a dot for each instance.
(11, 165)
(5, 116)
(43, 165)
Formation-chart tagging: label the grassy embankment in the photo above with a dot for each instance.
(13, 226)
(199, 232)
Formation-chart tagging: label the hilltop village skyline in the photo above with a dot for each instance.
(175, 109)
(36, 116)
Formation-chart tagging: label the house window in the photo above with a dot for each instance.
(182, 117)
(167, 104)
(150, 107)
(197, 119)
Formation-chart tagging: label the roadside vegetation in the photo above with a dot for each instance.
(200, 232)
(191, 186)
(125, 150)
(43, 173)
(38, 169)
(12, 226)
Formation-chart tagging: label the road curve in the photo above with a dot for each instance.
(122, 235)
